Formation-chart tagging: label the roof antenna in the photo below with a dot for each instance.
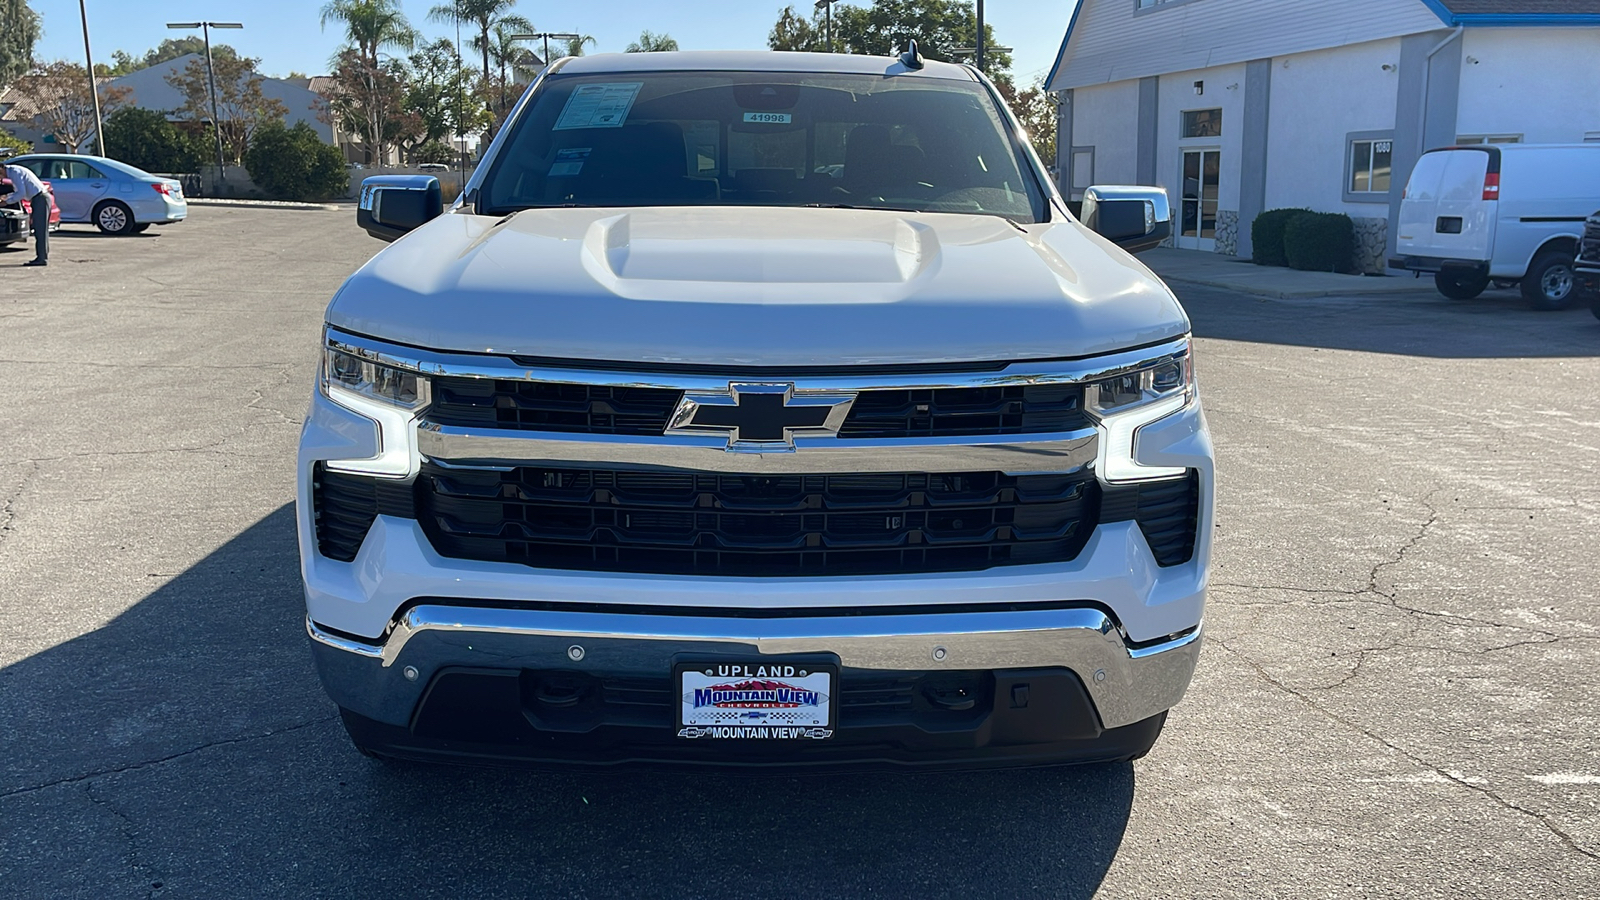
(912, 58)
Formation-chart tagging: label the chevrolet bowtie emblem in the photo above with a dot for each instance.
(761, 418)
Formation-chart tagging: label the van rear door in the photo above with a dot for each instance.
(1449, 205)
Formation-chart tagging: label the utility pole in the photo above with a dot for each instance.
(827, 7)
(211, 81)
(94, 89)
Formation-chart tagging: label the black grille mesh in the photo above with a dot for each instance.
(1167, 512)
(345, 506)
(574, 408)
(711, 524)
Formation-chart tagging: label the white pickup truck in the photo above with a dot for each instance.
(757, 409)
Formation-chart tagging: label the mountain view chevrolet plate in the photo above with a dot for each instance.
(756, 701)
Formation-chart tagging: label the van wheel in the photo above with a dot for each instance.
(1595, 307)
(1550, 283)
(1460, 287)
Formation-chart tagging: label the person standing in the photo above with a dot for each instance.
(28, 185)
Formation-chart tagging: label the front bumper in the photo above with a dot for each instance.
(1051, 684)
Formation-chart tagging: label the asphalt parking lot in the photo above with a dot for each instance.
(1397, 698)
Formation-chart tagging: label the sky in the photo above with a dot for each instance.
(286, 36)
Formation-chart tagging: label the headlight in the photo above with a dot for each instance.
(343, 371)
(1127, 402)
(390, 397)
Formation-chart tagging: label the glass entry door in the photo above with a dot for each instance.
(1197, 227)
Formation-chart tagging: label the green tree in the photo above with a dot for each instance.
(370, 26)
(19, 31)
(60, 92)
(295, 163)
(242, 107)
(433, 152)
(173, 48)
(370, 102)
(1036, 110)
(439, 95)
(508, 54)
(144, 138)
(940, 27)
(650, 42)
(574, 46)
(11, 142)
(484, 14)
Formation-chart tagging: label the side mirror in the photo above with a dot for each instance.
(392, 205)
(1133, 217)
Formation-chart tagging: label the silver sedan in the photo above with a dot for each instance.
(113, 196)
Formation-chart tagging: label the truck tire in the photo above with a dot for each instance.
(1460, 287)
(1550, 283)
(1595, 307)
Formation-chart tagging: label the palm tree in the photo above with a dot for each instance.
(506, 52)
(574, 47)
(485, 14)
(371, 25)
(653, 43)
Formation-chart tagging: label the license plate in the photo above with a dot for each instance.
(756, 701)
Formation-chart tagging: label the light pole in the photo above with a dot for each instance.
(977, 54)
(546, 36)
(94, 89)
(211, 79)
(827, 19)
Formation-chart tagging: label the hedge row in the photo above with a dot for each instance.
(1302, 239)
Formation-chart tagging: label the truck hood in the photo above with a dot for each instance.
(757, 286)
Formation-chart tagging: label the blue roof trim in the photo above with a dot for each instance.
(1438, 8)
(1511, 20)
(1062, 53)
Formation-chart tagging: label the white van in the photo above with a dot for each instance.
(1502, 213)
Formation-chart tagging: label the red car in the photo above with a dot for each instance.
(55, 211)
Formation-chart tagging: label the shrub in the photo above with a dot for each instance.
(1320, 242)
(434, 152)
(9, 141)
(1266, 236)
(144, 138)
(295, 164)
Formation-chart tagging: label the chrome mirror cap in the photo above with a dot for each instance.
(1134, 217)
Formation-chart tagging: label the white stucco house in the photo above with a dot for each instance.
(1239, 106)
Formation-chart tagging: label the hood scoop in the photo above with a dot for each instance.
(709, 255)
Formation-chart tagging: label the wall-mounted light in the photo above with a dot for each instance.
(1388, 68)
(1473, 60)
(1199, 87)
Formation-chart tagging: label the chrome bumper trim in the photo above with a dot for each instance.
(1127, 686)
(1018, 454)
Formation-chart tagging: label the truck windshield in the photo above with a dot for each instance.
(763, 139)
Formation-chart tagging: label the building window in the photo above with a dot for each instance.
(1469, 139)
(1370, 166)
(1082, 171)
(1201, 123)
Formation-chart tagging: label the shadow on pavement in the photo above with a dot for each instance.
(1499, 324)
(186, 744)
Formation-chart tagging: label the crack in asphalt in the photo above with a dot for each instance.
(133, 767)
(130, 830)
(1560, 834)
(285, 373)
(7, 506)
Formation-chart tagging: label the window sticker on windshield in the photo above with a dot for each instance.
(569, 161)
(598, 105)
(769, 118)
